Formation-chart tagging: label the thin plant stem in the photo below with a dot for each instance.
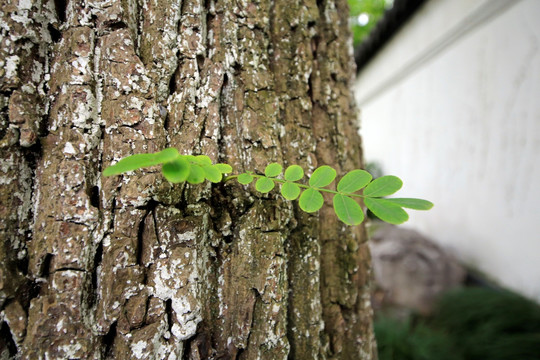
(230, 177)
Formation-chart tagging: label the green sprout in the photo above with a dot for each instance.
(178, 168)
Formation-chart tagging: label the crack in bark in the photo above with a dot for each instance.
(60, 7)
(150, 209)
(173, 80)
(108, 341)
(169, 314)
(56, 35)
(98, 257)
(6, 341)
(46, 266)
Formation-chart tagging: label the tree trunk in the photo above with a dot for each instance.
(133, 266)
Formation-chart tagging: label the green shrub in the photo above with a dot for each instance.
(469, 324)
(490, 324)
(398, 340)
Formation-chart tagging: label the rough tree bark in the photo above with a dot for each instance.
(132, 266)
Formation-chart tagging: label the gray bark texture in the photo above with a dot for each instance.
(133, 266)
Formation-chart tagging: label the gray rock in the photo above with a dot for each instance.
(411, 271)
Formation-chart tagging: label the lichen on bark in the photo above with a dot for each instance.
(95, 267)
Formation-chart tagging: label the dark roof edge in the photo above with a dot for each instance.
(390, 23)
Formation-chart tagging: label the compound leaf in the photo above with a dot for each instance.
(383, 186)
(224, 168)
(311, 200)
(322, 176)
(197, 174)
(137, 161)
(353, 181)
(273, 169)
(290, 191)
(212, 173)
(348, 210)
(410, 203)
(386, 210)
(294, 173)
(194, 169)
(264, 184)
(176, 171)
(245, 178)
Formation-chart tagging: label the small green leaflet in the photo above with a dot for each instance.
(290, 191)
(386, 210)
(383, 186)
(294, 173)
(410, 203)
(203, 160)
(322, 176)
(348, 210)
(197, 174)
(245, 178)
(273, 170)
(311, 200)
(176, 171)
(224, 168)
(264, 185)
(137, 161)
(353, 181)
(212, 173)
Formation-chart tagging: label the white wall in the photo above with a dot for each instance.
(452, 106)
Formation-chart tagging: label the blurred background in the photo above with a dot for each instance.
(449, 98)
